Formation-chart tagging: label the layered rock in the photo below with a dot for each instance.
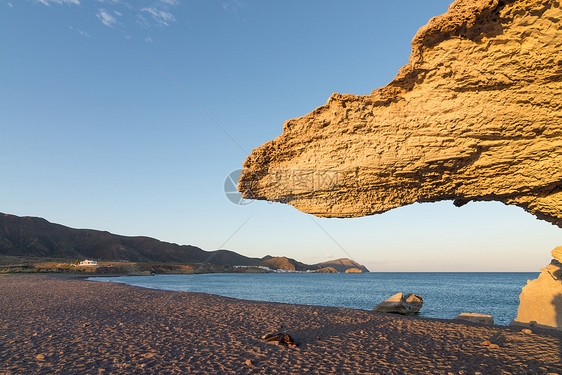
(540, 302)
(399, 303)
(476, 115)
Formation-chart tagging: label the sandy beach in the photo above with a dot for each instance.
(65, 325)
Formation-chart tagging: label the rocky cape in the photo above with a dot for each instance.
(34, 237)
(476, 115)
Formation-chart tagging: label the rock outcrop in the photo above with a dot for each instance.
(476, 115)
(284, 263)
(540, 302)
(399, 303)
(326, 270)
(343, 265)
(476, 318)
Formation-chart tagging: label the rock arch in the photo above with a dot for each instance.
(476, 115)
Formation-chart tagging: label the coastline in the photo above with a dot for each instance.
(66, 324)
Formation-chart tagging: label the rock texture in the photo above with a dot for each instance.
(399, 303)
(541, 299)
(476, 115)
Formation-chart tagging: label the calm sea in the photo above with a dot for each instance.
(445, 295)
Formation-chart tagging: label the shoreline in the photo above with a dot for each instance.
(57, 324)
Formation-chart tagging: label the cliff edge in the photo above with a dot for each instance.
(476, 115)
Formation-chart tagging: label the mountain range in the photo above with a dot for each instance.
(36, 237)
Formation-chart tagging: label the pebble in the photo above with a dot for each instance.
(40, 357)
(527, 331)
(486, 343)
(249, 362)
(493, 346)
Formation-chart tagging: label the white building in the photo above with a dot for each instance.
(88, 263)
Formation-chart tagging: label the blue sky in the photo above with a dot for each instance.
(112, 115)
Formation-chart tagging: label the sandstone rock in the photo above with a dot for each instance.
(475, 318)
(486, 343)
(353, 270)
(401, 304)
(540, 302)
(476, 115)
(40, 357)
(493, 346)
(526, 331)
(249, 362)
(557, 254)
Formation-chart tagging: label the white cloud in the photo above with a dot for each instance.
(232, 6)
(148, 40)
(66, 2)
(10, 5)
(162, 17)
(81, 32)
(112, 13)
(106, 18)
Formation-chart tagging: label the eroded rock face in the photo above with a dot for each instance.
(540, 302)
(476, 115)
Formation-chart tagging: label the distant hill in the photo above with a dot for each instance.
(285, 263)
(37, 237)
(343, 264)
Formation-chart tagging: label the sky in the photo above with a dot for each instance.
(128, 116)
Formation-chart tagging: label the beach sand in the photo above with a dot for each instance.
(65, 325)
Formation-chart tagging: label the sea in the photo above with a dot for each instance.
(445, 294)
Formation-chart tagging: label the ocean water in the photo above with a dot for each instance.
(445, 295)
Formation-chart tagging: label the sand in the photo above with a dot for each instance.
(60, 325)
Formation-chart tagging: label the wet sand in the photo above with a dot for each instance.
(62, 325)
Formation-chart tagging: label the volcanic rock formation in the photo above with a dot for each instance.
(476, 115)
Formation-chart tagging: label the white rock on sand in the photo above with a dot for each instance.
(541, 299)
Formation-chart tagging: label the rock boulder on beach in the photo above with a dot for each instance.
(475, 318)
(540, 302)
(401, 304)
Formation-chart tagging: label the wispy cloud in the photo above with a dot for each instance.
(162, 17)
(81, 32)
(124, 13)
(106, 18)
(232, 6)
(10, 5)
(59, 2)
